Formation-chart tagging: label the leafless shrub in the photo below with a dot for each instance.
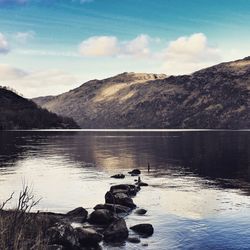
(20, 229)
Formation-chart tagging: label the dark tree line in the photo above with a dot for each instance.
(17, 112)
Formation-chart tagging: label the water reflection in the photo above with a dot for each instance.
(220, 155)
(198, 184)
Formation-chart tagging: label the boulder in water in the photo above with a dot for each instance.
(135, 172)
(116, 232)
(101, 217)
(141, 211)
(143, 229)
(78, 215)
(118, 176)
(88, 236)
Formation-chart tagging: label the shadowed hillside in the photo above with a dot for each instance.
(17, 112)
(216, 97)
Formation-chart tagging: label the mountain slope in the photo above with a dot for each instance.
(216, 97)
(17, 112)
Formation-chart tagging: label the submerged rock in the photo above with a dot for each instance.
(133, 240)
(101, 217)
(142, 184)
(78, 215)
(143, 229)
(88, 236)
(118, 176)
(116, 232)
(135, 172)
(113, 207)
(141, 211)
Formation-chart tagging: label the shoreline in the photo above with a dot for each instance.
(78, 229)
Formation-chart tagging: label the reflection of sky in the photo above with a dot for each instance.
(181, 206)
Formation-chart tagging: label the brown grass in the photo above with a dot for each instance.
(20, 229)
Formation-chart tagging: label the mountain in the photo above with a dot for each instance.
(17, 112)
(215, 97)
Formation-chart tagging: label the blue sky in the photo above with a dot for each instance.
(51, 46)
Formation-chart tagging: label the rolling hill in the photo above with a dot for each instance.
(213, 98)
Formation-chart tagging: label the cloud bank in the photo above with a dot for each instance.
(36, 83)
(189, 53)
(183, 55)
(110, 46)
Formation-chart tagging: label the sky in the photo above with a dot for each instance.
(51, 46)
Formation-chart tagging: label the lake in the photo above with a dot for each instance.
(199, 182)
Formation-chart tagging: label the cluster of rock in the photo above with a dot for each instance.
(105, 223)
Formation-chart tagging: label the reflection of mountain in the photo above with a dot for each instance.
(208, 154)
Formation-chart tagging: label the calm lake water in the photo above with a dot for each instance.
(199, 184)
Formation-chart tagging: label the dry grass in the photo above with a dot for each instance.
(20, 229)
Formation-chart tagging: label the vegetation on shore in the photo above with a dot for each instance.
(20, 229)
(17, 112)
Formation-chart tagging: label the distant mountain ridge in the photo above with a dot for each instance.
(17, 112)
(213, 98)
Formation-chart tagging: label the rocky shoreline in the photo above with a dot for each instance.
(78, 229)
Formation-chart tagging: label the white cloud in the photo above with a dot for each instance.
(188, 54)
(24, 37)
(194, 47)
(36, 83)
(183, 55)
(108, 46)
(137, 47)
(4, 45)
(99, 46)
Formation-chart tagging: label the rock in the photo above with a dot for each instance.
(55, 247)
(135, 172)
(109, 198)
(124, 200)
(142, 184)
(62, 234)
(119, 198)
(145, 244)
(141, 211)
(118, 176)
(113, 207)
(124, 188)
(120, 187)
(78, 215)
(116, 191)
(143, 229)
(88, 236)
(116, 232)
(101, 217)
(133, 240)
